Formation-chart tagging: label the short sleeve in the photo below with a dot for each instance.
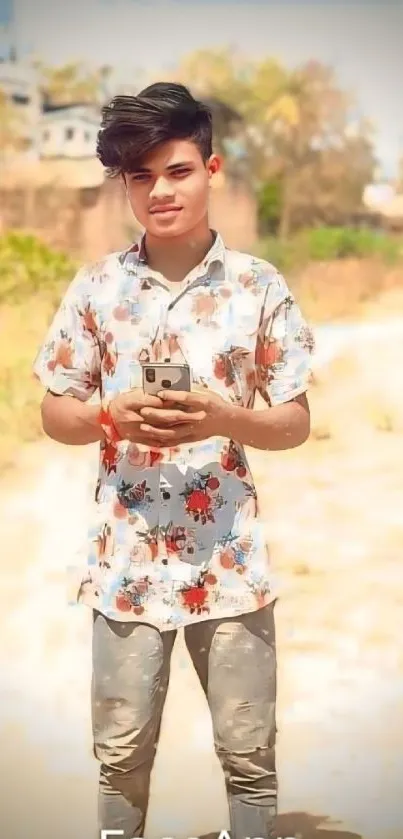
(285, 349)
(68, 362)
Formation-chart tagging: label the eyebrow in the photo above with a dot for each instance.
(171, 168)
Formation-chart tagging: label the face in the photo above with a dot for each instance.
(169, 193)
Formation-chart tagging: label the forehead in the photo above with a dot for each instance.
(170, 154)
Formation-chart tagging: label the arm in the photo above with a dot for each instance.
(75, 423)
(282, 427)
(70, 421)
(283, 364)
(68, 365)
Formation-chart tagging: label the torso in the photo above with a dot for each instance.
(176, 535)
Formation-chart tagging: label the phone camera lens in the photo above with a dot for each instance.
(166, 383)
(150, 376)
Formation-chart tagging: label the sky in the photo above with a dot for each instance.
(361, 39)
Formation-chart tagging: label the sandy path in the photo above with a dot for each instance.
(335, 525)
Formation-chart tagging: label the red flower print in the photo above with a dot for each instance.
(249, 280)
(234, 553)
(119, 511)
(89, 321)
(123, 603)
(63, 353)
(241, 471)
(150, 538)
(227, 558)
(175, 539)
(199, 506)
(121, 312)
(229, 458)
(109, 457)
(204, 306)
(131, 596)
(198, 502)
(268, 352)
(223, 369)
(109, 362)
(195, 598)
(231, 461)
(133, 496)
(155, 457)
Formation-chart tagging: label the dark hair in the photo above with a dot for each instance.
(133, 126)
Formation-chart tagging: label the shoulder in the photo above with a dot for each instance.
(94, 279)
(251, 272)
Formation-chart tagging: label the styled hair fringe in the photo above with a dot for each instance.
(133, 126)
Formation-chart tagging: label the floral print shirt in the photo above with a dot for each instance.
(176, 536)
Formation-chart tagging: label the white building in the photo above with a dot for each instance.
(68, 132)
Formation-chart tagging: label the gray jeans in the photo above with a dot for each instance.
(235, 659)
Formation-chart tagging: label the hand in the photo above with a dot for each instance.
(198, 417)
(125, 412)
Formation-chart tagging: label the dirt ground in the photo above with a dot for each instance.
(333, 511)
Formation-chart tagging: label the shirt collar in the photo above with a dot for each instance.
(135, 258)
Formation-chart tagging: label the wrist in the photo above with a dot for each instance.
(238, 424)
(230, 421)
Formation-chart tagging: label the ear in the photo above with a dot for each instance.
(214, 165)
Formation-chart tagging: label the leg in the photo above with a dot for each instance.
(235, 659)
(131, 663)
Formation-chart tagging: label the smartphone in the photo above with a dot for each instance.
(165, 375)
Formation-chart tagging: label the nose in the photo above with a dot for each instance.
(162, 188)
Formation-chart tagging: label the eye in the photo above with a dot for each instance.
(140, 177)
(181, 173)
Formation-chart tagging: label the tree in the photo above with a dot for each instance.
(74, 82)
(318, 157)
(296, 126)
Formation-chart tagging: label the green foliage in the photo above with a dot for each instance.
(29, 267)
(269, 200)
(33, 279)
(326, 244)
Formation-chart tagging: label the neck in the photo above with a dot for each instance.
(175, 258)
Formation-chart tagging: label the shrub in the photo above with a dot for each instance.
(326, 244)
(29, 267)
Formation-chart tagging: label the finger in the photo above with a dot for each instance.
(170, 417)
(183, 397)
(162, 434)
(182, 433)
(139, 398)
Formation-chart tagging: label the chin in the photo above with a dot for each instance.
(167, 231)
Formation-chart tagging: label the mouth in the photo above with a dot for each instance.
(167, 209)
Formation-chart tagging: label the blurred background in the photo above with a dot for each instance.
(308, 117)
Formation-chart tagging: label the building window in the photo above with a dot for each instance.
(87, 136)
(69, 133)
(20, 99)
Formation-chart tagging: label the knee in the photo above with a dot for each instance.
(123, 759)
(253, 772)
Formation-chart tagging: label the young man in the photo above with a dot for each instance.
(176, 539)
